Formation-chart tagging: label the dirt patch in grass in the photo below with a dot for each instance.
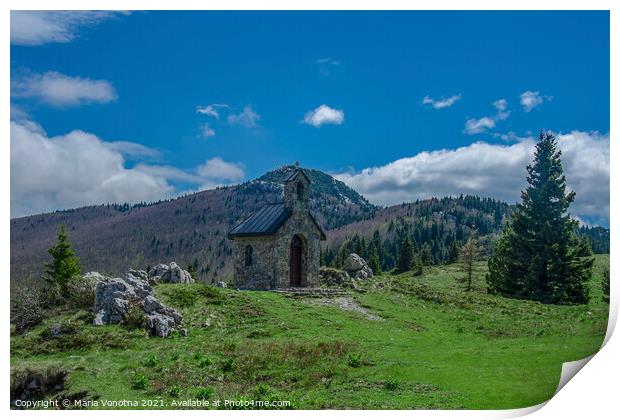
(347, 303)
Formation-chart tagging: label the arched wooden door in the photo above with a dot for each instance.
(295, 268)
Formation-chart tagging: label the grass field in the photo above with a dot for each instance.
(435, 346)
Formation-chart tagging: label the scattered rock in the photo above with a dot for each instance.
(55, 330)
(115, 296)
(93, 276)
(221, 284)
(356, 267)
(172, 273)
(333, 277)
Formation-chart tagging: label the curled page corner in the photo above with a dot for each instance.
(569, 370)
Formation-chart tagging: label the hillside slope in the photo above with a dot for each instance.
(432, 346)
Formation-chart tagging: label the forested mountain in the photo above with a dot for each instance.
(436, 228)
(192, 229)
(189, 230)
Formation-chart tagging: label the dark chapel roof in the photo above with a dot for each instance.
(266, 221)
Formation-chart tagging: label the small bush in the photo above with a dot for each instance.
(174, 391)
(228, 365)
(27, 308)
(182, 296)
(262, 392)
(354, 360)
(204, 393)
(213, 295)
(203, 363)
(151, 361)
(391, 385)
(259, 333)
(140, 382)
(135, 317)
(80, 293)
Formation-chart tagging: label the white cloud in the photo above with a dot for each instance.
(60, 90)
(41, 27)
(441, 103)
(206, 131)
(247, 118)
(324, 115)
(49, 173)
(475, 126)
(78, 169)
(328, 60)
(502, 109)
(218, 169)
(530, 100)
(211, 110)
(325, 65)
(137, 150)
(490, 170)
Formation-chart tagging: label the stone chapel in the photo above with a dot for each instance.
(278, 246)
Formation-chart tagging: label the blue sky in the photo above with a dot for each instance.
(393, 86)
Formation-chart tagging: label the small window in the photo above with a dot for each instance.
(248, 255)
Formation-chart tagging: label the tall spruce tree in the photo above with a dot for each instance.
(64, 265)
(373, 259)
(405, 256)
(537, 255)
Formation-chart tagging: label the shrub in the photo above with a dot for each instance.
(203, 363)
(204, 393)
(354, 360)
(135, 317)
(140, 382)
(262, 392)
(174, 391)
(391, 385)
(182, 296)
(228, 365)
(26, 308)
(151, 361)
(80, 293)
(211, 293)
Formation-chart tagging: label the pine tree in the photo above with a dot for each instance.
(192, 269)
(605, 285)
(468, 256)
(65, 264)
(426, 254)
(405, 256)
(537, 255)
(585, 248)
(373, 259)
(453, 252)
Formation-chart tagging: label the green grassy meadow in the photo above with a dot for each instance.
(436, 346)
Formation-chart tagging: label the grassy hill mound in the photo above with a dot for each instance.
(407, 342)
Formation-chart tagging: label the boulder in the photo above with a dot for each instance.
(169, 273)
(333, 277)
(93, 276)
(356, 267)
(115, 296)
